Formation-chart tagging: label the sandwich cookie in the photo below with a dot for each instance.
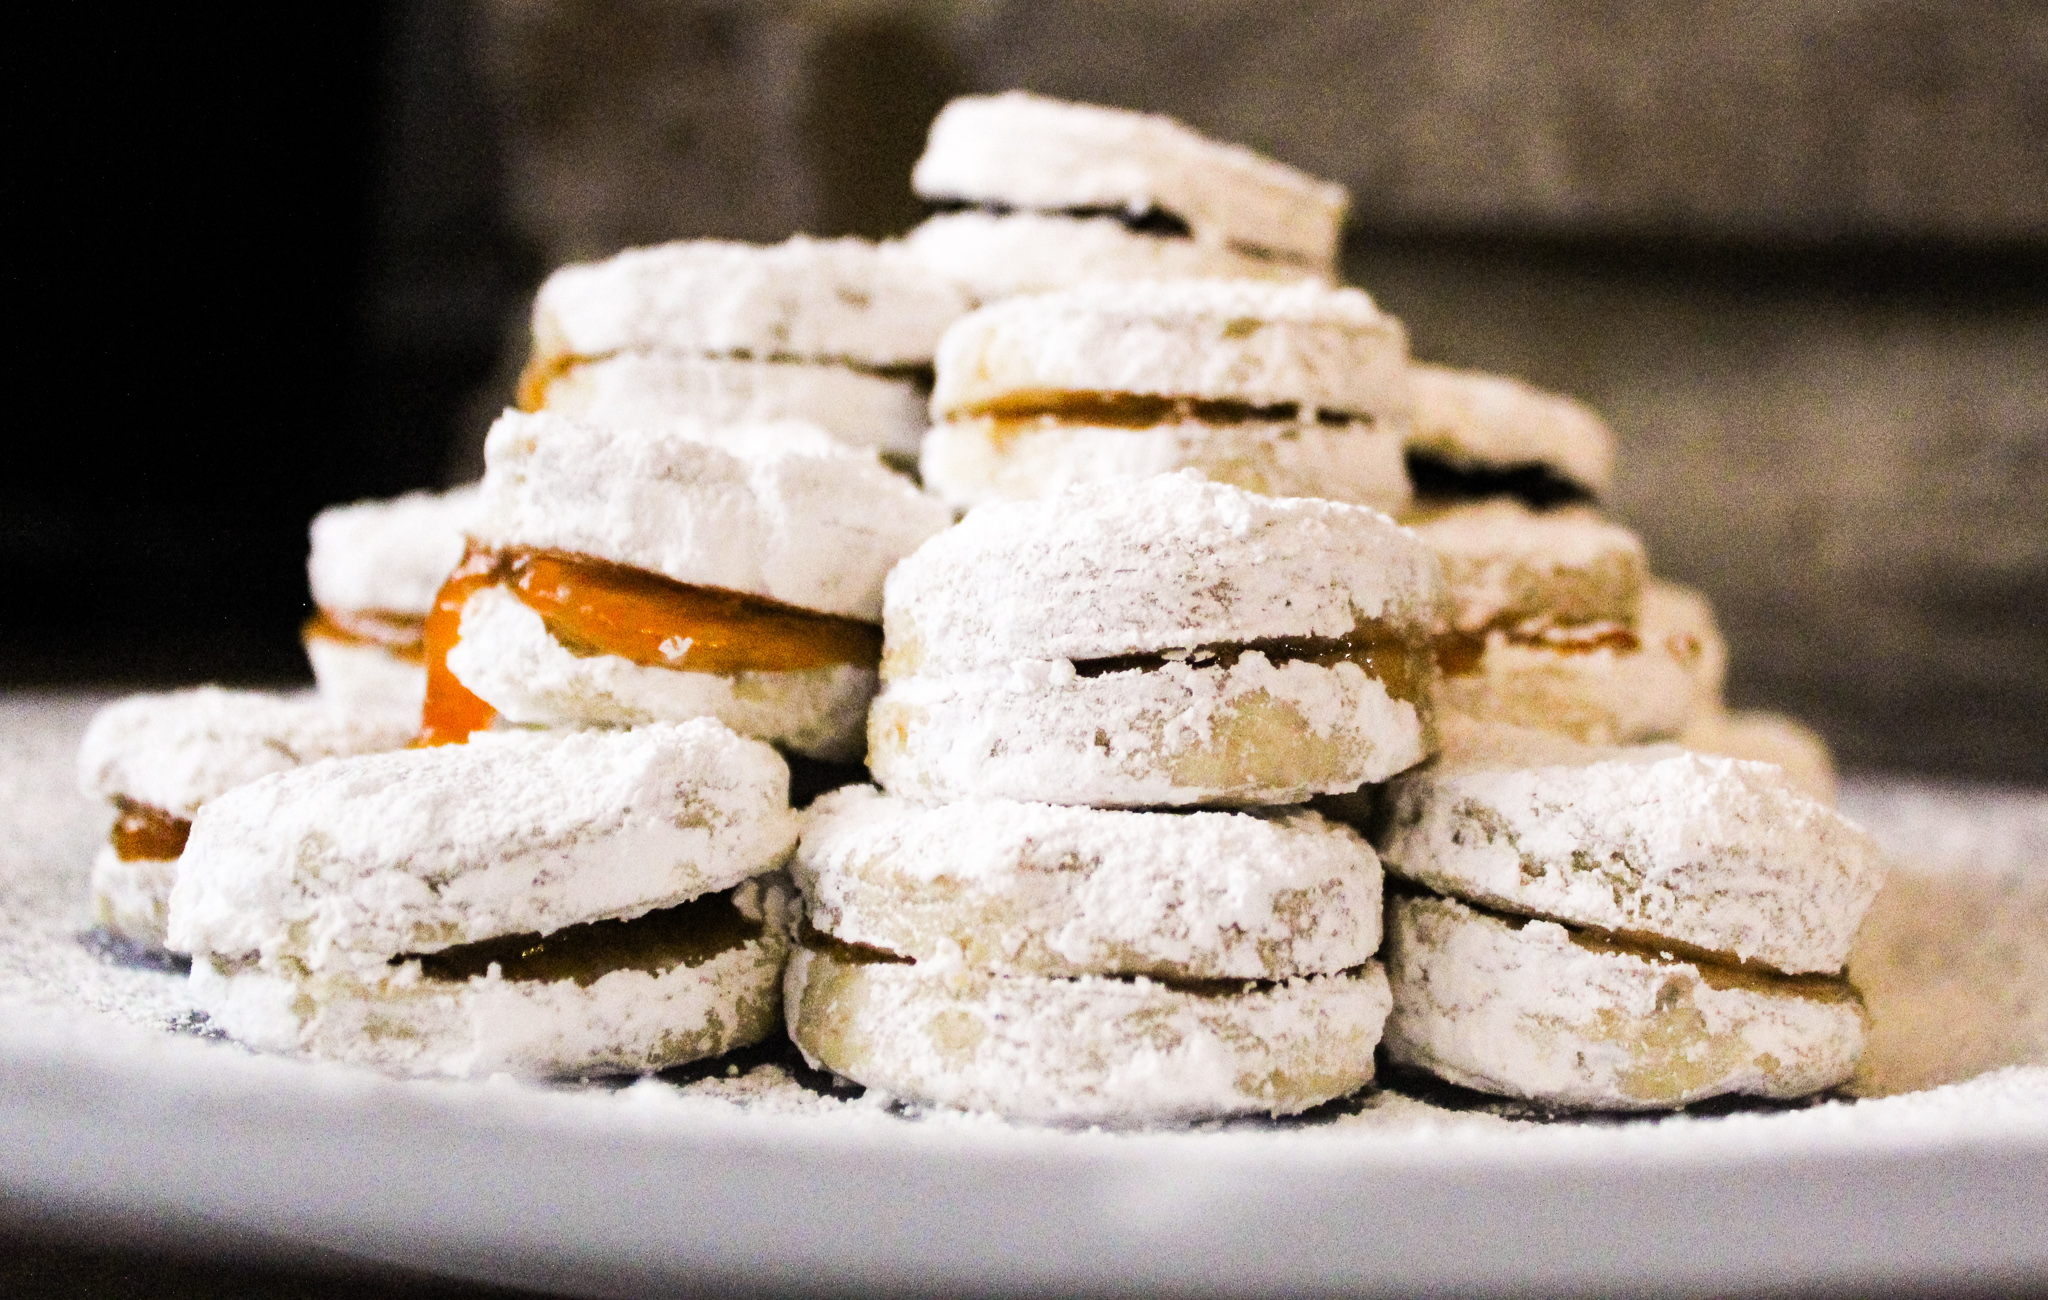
(618, 577)
(538, 903)
(1705, 856)
(1164, 642)
(1080, 965)
(1041, 193)
(157, 758)
(1294, 390)
(1529, 1008)
(374, 569)
(1477, 435)
(838, 332)
(1544, 626)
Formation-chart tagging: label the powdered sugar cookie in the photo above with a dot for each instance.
(644, 390)
(625, 576)
(1287, 390)
(1763, 737)
(1479, 435)
(374, 568)
(1019, 150)
(1654, 845)
(673, 985)
(1518, 570)
(1531, 1009)
(1680, 621)
(158, 758)
(996, 255)
(1170, 641)
(1092, 1050)
(1038, 889)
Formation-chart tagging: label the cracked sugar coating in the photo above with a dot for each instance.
(1092, 1050)
(1505, 564)
(1764, 737)
(1248, 341)
(806, 299)
(509, 659)
(1029, 151)
(1256, 732)
(779, 511)
(970, 460)
(345, 864)
(1035, 889)
(1169, 563)
(1654, 843)
(389, 556)
(645, 390)
(402, 1022)
(1529, 1009)
(176, 750)
(1001, 255)
(1602, 696)
(1486, 421)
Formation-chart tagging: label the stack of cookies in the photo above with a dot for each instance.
(1034, 919)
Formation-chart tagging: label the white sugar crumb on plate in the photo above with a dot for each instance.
(1973, 852)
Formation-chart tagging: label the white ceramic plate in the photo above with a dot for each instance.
(106, 1112)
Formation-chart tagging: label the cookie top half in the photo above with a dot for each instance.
(389, 556)
(1028, 151)
(779, 511)
(1476, 421)
(844, 300)
(1260, 344)
(1164, 564)
(354, 861)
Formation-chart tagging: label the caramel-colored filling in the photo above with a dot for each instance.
(1402, 665)
(402, 635)
(1459, 654)
(145, 833)
(540, 372)
(595, 607)
(689, 934)
(1015, 414)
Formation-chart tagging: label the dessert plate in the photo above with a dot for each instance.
(117, 1107)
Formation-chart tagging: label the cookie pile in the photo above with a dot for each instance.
(1029, 921)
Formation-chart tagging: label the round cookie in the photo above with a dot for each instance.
(1481, 434)
(346, 864)
(374, 567)
(1019, 150)
(1038, 889)
(1165, 642)
(159, 757)
(754, 557)
(1093, 1050)
(1528, 1008)
(1509, 567)
(639, 390)
(1002, 255)
(1597, 685)
(832, 300)
(708, 979)
(1655, 845)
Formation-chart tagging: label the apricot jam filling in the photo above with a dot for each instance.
(145, 833)
(1401, 664)
(1015, 414)
(595, 607)
(403, 635)
(688, 934)
(1459, 654)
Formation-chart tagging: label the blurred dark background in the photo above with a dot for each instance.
(1798, 254)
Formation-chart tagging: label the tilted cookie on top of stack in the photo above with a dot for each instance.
(1622, 928)
(836, 332)
(374, 567)
(1014, 926)
(1044, 194)
(540, 903)
(159, 758)
(1288, 390)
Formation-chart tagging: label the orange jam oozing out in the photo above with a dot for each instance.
(595, 607)
(398, 634)
(538, 376)
(1458, 654)
(145, 833)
